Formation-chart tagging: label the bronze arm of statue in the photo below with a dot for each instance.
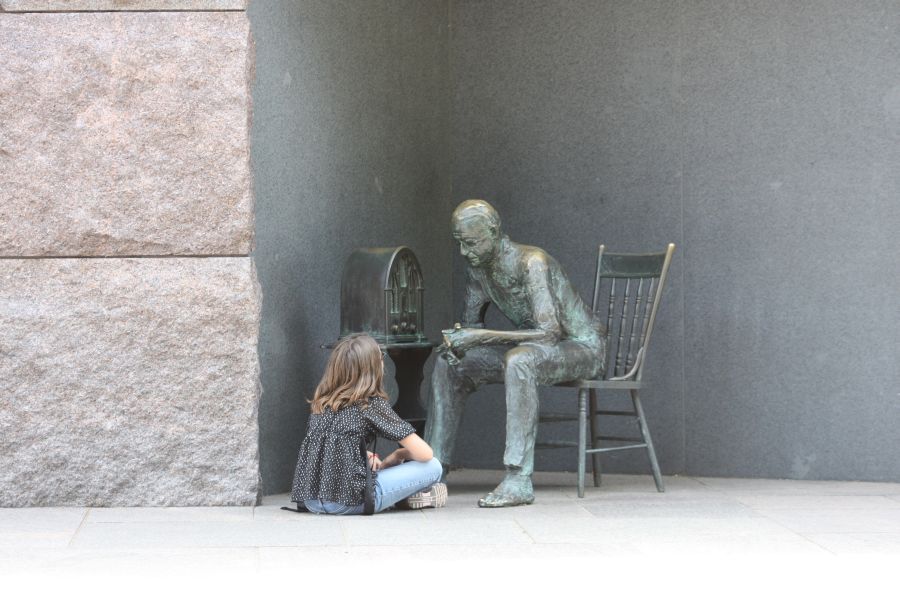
(548, 331)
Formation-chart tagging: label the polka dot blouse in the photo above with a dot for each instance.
(330, 467)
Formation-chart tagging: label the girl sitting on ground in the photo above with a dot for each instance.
(350, 405)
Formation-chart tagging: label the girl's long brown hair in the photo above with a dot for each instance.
(354, 374)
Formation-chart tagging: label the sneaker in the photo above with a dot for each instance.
(433, 497)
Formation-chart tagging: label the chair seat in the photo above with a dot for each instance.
(548, 417)
(602, 384)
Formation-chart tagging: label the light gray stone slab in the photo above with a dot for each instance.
(17, 540)
(858, 543)
(269, 508)
(422, 531)
(306, 531)
(715, 545)
(146, 562)
(273, 513)
(38, 528)
(564, 530)
(813, 502)
(481, 481)
(795, 487)
(41, 519)
(882, 520)
(170, 514)
(114, 5)
(661, 529)
(456, 510)
(125, 134)
(615, 484)
(556, 494)
(284, 558)
(669, 507)
(128, 382)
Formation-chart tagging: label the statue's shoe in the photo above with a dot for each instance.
(515, 489)
(499, 500)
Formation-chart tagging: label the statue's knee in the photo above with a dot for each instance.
(519, 363)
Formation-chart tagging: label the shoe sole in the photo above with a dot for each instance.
(483, 504)
(435, 497)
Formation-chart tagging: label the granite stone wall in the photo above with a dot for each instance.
(129, 304)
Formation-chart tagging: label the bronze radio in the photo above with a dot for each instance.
(382, 294)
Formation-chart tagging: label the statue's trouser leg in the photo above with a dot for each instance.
(521, 409)
(450, 386)
(527, 367)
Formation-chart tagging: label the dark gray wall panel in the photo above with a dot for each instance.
(784, 120)
(791, 219)
(350, 149)
(564, 117)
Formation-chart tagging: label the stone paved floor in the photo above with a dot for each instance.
(626, 517)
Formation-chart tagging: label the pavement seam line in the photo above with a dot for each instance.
(815, 543)
(78, 529)
(799, 534)
(525, 531)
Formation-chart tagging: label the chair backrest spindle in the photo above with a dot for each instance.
(609, 316)
(647, 306)
(635, 326)
(623, 322)
(596, 297)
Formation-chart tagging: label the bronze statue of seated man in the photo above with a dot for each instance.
(556, 339)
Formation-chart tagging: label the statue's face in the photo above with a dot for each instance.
(478, 241)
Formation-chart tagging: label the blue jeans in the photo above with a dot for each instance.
(391, 486)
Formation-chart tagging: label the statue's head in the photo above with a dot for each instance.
(475, 224)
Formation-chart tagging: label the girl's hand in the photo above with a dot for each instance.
(393, 459)
(374, 461)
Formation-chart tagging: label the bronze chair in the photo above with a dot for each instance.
(635, 283)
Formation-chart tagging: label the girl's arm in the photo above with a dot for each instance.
(413, 448)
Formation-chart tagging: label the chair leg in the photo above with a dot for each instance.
(582, 438)
(595, 458)
(645, 433)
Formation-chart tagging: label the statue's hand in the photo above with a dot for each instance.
(461, 339)
(444, 351)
